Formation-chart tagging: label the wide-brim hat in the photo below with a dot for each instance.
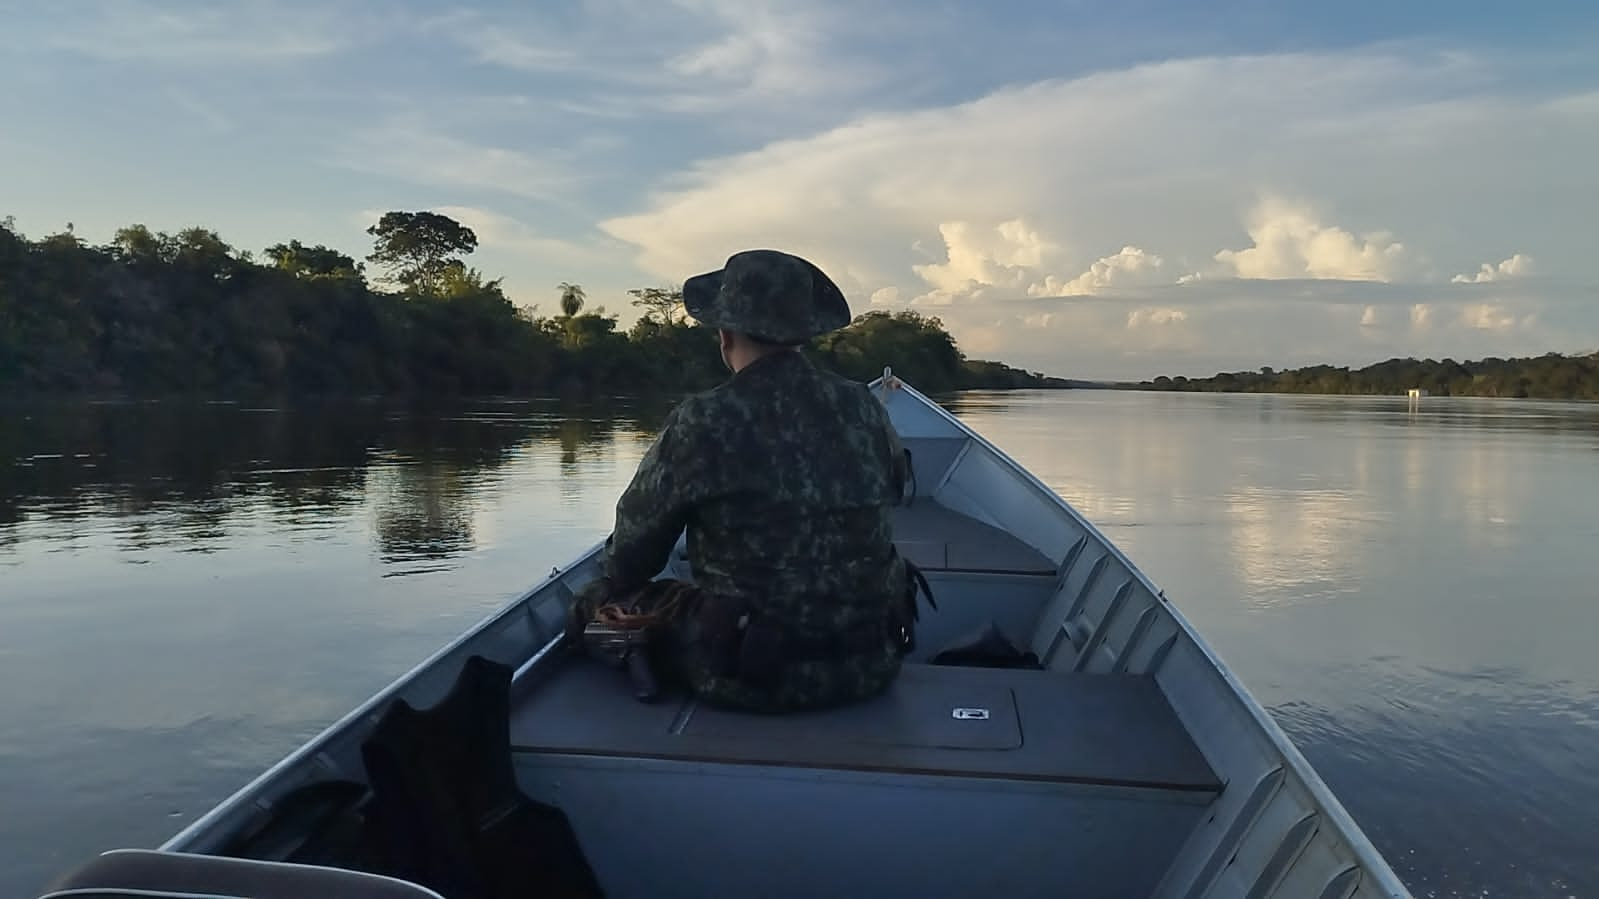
(767, 294)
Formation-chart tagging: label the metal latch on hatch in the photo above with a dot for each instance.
(965, 714)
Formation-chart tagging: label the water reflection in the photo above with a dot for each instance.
(1293, 546)
(424, 511)
(1310, 495)
(192, 477)
(1410, 593)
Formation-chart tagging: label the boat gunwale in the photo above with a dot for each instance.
(1370, 859)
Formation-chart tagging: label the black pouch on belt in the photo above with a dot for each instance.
(721, 624)
(761, 654)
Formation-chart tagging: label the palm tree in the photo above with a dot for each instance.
(571, 298)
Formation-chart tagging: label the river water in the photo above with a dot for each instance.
(188, 592)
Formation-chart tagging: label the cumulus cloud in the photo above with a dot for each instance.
(1155, 317)
(978, 260)
(1289, 242)
(1130, 266)
(1014, 259)
(1173, 150)
(1029, 191)
(1488, 317)
(1515, 267)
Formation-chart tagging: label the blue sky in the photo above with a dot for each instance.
(1092, 189)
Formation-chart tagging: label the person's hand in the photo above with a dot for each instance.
(589, 597)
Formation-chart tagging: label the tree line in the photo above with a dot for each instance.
(153, 313)
(1550, 376)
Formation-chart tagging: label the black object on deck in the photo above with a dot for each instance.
(446, 811)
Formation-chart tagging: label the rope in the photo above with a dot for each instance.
(623, 615)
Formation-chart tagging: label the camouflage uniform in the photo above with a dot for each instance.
(783, 477)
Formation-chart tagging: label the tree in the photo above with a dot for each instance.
(312, 262)
(916, 346)
(203, 251)
(571, 298)
(157, 313)
(136, 243)
(661, 305)
(418, 247)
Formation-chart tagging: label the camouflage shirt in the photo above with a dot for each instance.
(784, 478)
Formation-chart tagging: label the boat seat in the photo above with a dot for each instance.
(938, 538)
(1015, 724)
(151, 873)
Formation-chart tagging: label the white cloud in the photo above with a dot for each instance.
(1487, 317)
(1014, 259)
(681, 56)
(1029, 188)
(501, 47)
(1157, 156)
(192, 33)
(1155, 317)
(498, 231)
(1515, 267)
(1130, 266)
(1289, 242)
(769, 50)
(414, 152)
(979, 260)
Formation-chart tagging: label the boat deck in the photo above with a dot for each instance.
(1029, 725)
(1016, 724)
(937, 538)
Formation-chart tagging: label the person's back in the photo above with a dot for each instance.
(794, 472)
(784, 478)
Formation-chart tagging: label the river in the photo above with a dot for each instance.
(189, 591)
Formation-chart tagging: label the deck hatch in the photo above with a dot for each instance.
(932, 714)
(1042, 726)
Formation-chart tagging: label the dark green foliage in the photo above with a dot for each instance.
(418, 248)
(1550, 376)
(572, 298)
(313, 262)
(161, 314)
(919, 350)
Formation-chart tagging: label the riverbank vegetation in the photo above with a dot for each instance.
(153, 313)
(1550, 376)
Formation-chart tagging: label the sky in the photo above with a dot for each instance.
(1095, 190)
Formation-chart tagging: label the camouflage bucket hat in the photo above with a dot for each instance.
(774, 296)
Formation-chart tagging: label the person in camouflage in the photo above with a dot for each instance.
(784, 477)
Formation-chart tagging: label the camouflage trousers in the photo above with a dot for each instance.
(686, 651)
